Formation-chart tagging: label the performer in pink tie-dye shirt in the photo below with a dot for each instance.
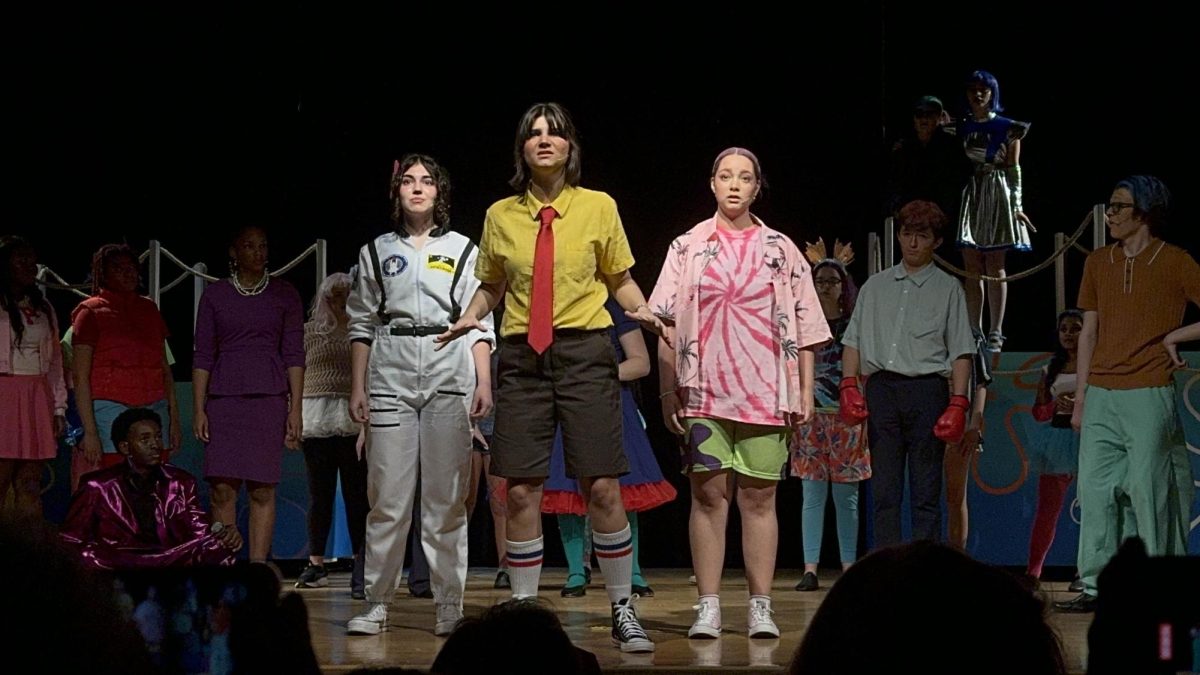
(745, 315)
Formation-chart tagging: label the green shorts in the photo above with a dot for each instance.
(754, 450)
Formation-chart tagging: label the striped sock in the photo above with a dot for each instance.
(525, 567)
(615, 552)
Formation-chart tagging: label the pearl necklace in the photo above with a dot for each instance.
(257, 288)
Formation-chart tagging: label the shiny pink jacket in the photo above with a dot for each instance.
(102, 526)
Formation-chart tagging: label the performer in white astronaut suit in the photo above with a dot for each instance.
(418, 403)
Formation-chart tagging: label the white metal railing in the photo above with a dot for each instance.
(154, 257)
(881, 254)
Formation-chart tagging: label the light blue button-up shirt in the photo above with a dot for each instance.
(910, 323)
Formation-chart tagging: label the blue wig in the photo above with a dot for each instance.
(1151, 199)
(988, 80)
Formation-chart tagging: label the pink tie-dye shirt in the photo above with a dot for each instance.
(743, 305)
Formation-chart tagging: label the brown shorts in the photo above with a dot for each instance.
(572, 386)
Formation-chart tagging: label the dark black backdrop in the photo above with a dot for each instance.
(176, 125)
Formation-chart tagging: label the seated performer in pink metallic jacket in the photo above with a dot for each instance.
(142, 513)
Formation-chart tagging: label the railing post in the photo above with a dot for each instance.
(199, 283)
(1098, 227)
(872, 254)
(889, 243)
(1060, 275)
(322, 271)
(155, 271)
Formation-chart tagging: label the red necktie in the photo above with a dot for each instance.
(541, 301)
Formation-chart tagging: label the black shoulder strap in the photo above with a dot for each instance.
(455, 309)
(382, 310)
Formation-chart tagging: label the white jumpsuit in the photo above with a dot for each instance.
(419, 399)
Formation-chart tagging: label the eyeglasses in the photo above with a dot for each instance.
(1117, 207)
(827, 282)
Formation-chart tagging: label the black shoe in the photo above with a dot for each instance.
(420, 592)
(1076, 586)
(502, 580)
(587, 576)
(1080, 604)
(808, 582)
(642, 591)
(357, 584)
(313, 576)
(627, 632)
(574, 589)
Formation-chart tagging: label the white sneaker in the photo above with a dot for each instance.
(448, 616)
(708, 619)
(374, 622)
(759, 622)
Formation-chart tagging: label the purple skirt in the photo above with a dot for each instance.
(246, 435)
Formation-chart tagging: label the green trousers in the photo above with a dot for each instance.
(1134, 476)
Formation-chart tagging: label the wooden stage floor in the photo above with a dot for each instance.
(410, 641)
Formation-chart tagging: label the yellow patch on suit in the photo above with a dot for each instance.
(440, 262)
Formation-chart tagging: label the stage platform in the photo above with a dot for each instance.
(410, 641)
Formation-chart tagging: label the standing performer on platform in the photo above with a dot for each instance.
(1134, 474)
(908, 334)
(248, 384)
(746, 319)
(33, 389)
(991, 219)
(642, 489)
(827, 450)
(418, 400)
(555, 251)
(330, 435)
(119, 360)
(1054, 445)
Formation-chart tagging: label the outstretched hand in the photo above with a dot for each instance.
(650, 322)
(1024, 220)
(460, 328)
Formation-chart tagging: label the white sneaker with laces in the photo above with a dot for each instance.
(708, 619)
(374, 622)
(759, 622)
(448, 616)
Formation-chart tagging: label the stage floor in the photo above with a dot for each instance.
(410, 641)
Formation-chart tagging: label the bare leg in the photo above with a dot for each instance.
(997, 291)
(525, 508)
(262, 520)
(27, 489)
(956, 467)
(706, 527)
(760, 531)
(224, 495)
(499, 509)
(603, 497)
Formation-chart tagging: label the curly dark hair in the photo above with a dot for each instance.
(130, 417)
(441, 179)
(921, 215)
(102, 257)
(9, 301)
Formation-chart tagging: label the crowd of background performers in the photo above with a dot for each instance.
(772, 363)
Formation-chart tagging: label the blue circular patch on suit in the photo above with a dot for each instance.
(394, 265)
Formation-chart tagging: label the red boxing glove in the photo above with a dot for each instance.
(953, 422)
(1044, 412)
(852, 407)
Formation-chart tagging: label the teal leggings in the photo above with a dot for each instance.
(575, 540)
(812, 522)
